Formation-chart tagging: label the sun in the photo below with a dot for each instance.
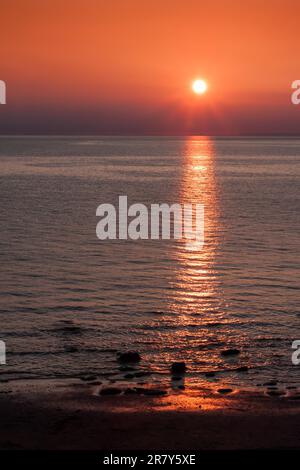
(199, 86)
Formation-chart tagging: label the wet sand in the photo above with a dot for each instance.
(72, 415)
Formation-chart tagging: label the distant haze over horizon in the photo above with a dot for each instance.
(126, 67)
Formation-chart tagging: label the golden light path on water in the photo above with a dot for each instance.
(196, 300)
(195, 277)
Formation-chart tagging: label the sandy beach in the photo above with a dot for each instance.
(71, 415)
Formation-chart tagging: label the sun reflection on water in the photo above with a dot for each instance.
(195, 280)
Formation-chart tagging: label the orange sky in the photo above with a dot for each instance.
(125, 66)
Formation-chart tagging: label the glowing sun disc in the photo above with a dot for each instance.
(199, 86)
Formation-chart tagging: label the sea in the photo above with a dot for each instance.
(70, 302)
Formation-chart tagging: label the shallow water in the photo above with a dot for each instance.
(69, 301)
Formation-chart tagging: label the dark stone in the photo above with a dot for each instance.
(182, 387)
(154, 392)
(110, 391)
(224, 391)
(129, 356)
(130, 391)
(71, 330)
(275, 393)
(230, 352)
(242, 369)
(71, 349)
(272, 383)
(209, 374)
(178, 368)
(128, 376)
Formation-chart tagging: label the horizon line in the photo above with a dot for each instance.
(223, 136)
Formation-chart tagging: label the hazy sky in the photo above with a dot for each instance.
(126, 66)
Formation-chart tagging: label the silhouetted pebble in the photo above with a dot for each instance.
(230, 352)
(272, 383)
(275, 393)
(71, 330)
(128, 376)
(242, 369)
(110, 391)
(130, 391)
(224, 391)
(176, 377)
(129, 356)
(209, 374)
(71, 349)
(181, 387)
(154, 392)
(178, 368)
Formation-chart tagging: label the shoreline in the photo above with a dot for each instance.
(71, 415)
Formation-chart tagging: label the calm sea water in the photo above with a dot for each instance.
(69, 301)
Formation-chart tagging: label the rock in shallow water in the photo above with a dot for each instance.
(224, 391)
(129, 356)
(242, 369)
(230, 352)
(154, 392)
(275, 393)
(110, 391)
(178, 368)
(209, 374)
(130, 391)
